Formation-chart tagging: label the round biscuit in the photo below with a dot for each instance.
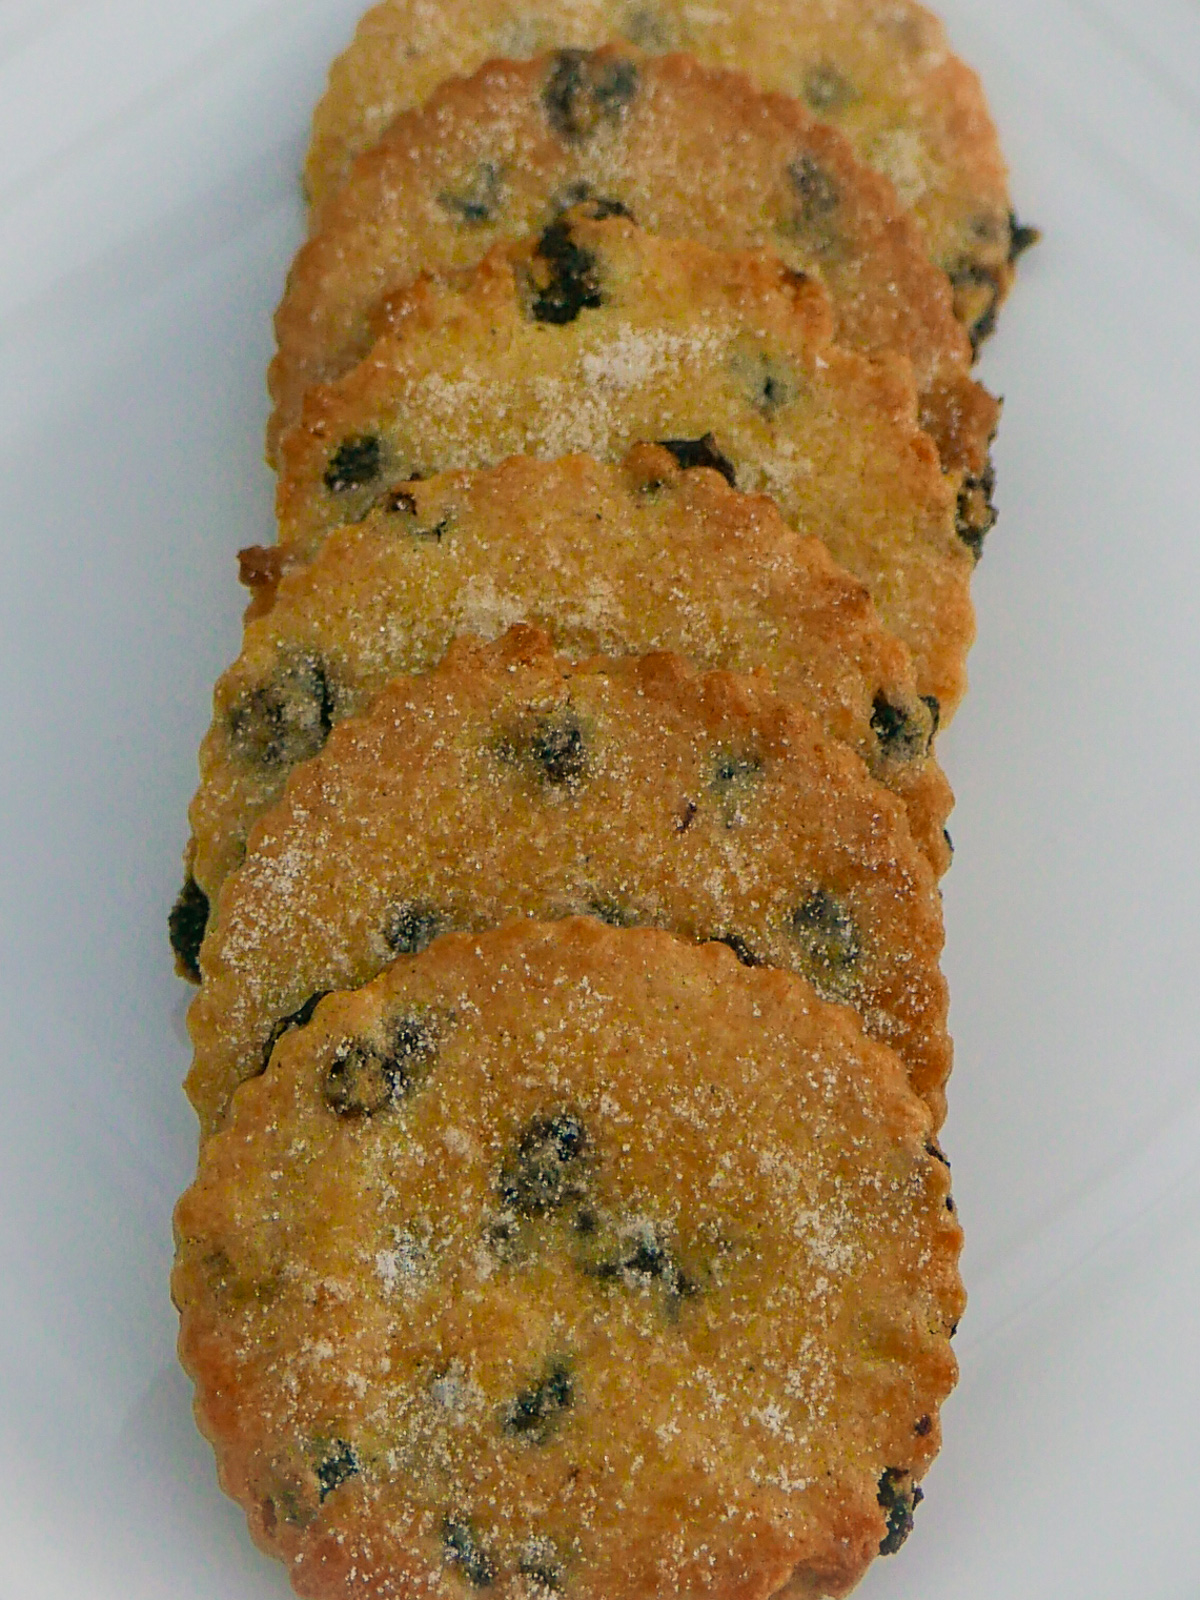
(570, 1260)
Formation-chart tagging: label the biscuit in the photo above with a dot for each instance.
(613, 560)
(566, 1260)
(881, 71)
(511, 783)
(596, 336)
(688, 152)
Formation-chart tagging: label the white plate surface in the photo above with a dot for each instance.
(148, 210)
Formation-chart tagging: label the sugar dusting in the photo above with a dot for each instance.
(605, 568)
(614, 843)
(686, 342)
(638, 1335)
(364, 1368)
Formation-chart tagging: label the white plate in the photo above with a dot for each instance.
(148, 209)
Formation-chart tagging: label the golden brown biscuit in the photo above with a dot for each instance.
(598, 336)
(511, 783)
(881, 71)
(564, 1260)
(689, 152)
(613, 560)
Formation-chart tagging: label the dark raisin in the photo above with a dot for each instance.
(542, 1574)
(739, 947)
(557, 746)
(533, 1413)
(580, 198)
(572, 285)
(976, 515)
(583, 92)
(976, 300)
(982, 329)
(542, 1565)
(899, 1497)
(546, 1172)
(186, 925)
(935, 713)
(770, 382)
(298, 1019)
(647, 1258)
(829, 939)
(465, 1551)
(340, 1464)
(701, 452)
(503, 1239)
(774, 393)
(904, 735)
(355, 462)
(922, 1426)
(363, 1079)
(731, 769)
(935, 1151)
(826, 89)
(816, 190)
(586, 1223)
(949, 840)
(1021, 237)
(613, 912)
(411, 927)
(287, 720)
(603, 207)
(479, 198)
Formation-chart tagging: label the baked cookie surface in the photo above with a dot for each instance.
(597, 336)
(881, 71)
(689, 152)
(614, 560)
(510, 783)
(571, 1260)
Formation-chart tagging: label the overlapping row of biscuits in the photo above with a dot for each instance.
(571, 1042)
